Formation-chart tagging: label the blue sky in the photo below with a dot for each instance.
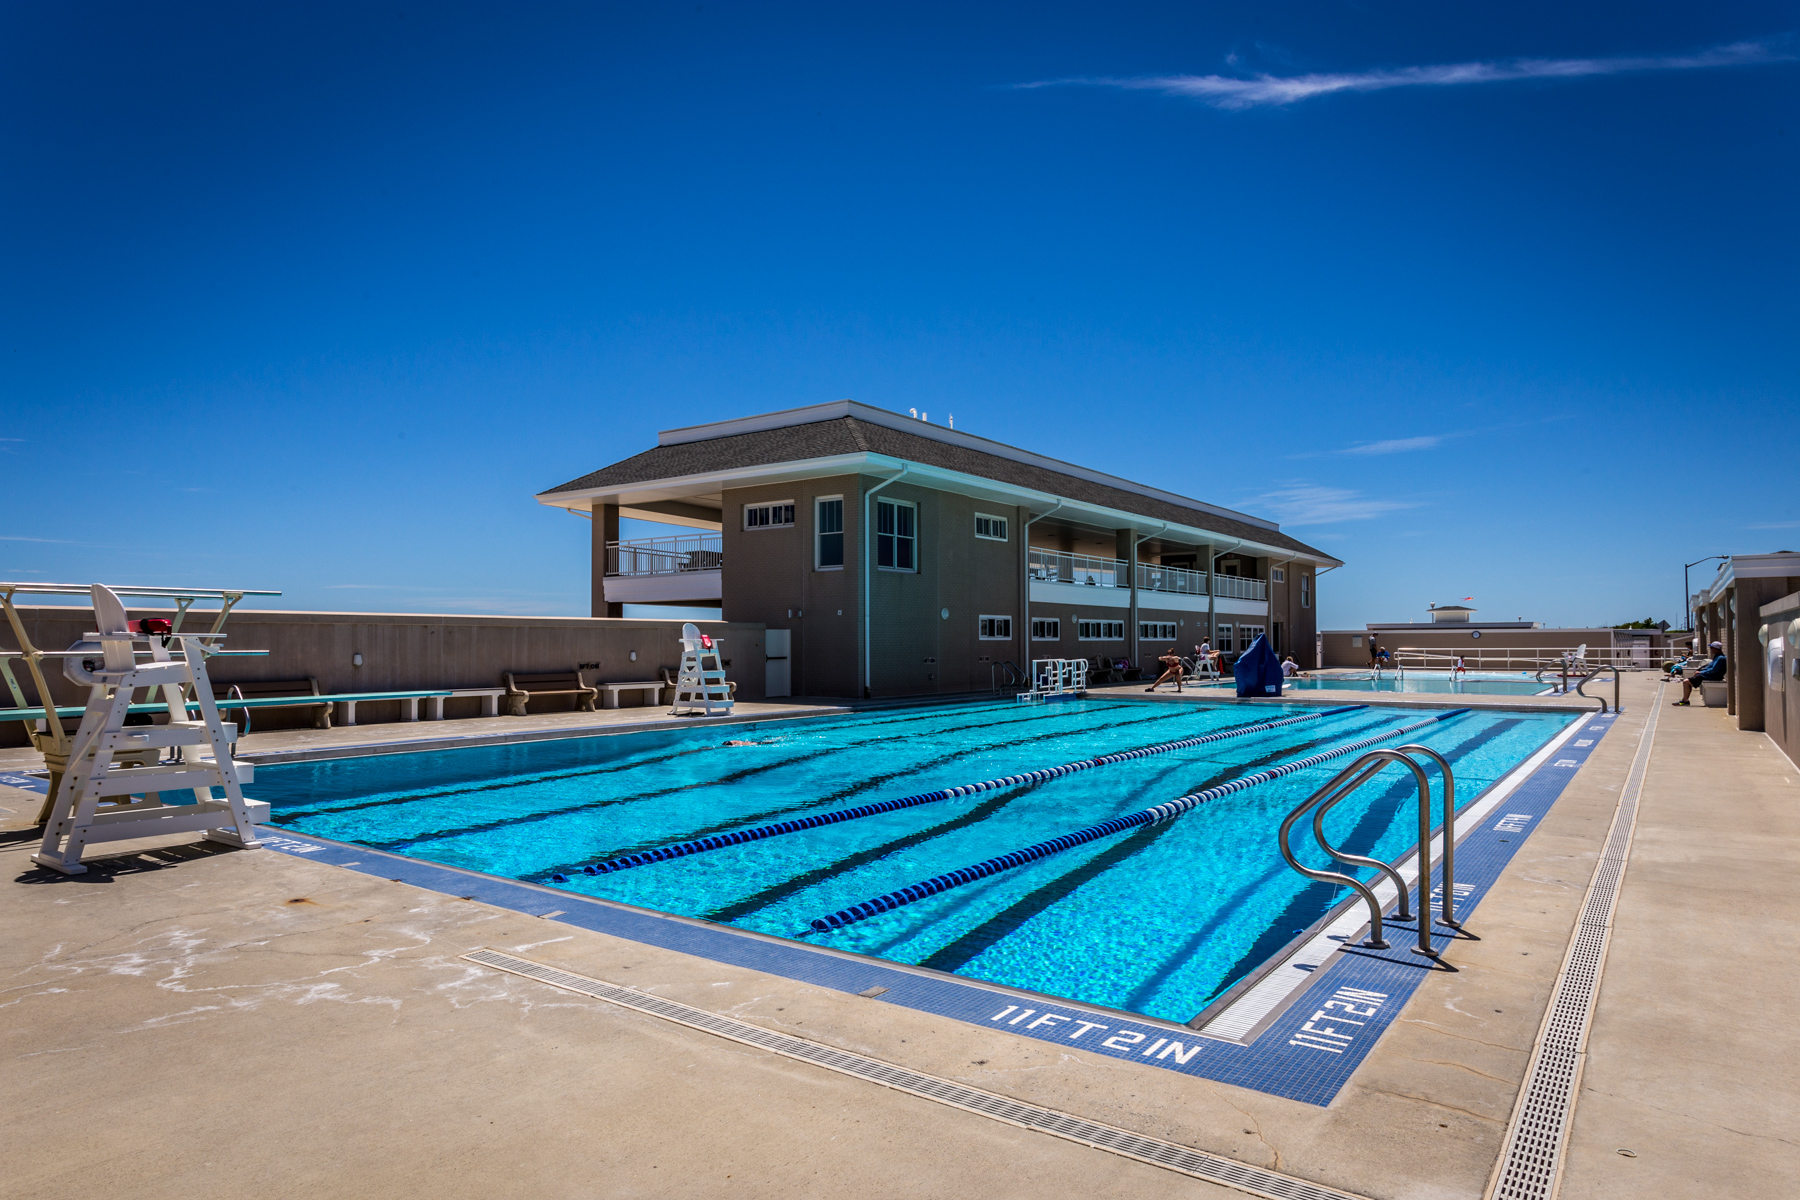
(1487, 300)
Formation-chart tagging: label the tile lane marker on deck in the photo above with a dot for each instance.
(1168, 1155)
(1539, 1130)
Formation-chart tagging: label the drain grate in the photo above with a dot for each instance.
(1197, 1163)
(1533, 1158)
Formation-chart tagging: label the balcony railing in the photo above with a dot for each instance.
(665, 555)
(1239, 588)
(1054, 566)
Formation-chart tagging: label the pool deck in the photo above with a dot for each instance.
(176, 996)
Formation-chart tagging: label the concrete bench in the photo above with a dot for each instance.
(612, 690)
(521, 688)
(409, 702)
(304, 693)
(1713, 693)
(490, 701)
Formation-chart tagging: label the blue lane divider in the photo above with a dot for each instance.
(1149, 816)
(738, 837)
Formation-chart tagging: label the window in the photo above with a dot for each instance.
(1100, 631)
(1355, 642)
(995, 629)
(1156, 631)
(1306, 591)
(896, 535)
(992, 528)
(1224, 642)
(1247, 634)
(769, 516)
(1277, 575)
(828, 535)
(1046, 629)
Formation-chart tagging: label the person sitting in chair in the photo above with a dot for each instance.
(1171, 669)
(1712, 672)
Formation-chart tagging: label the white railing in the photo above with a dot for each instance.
(1176, 580)
(665, 555)
(1239, 588)
(1054, 566)
(1530, 658)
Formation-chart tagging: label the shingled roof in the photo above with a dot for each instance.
(848, 435)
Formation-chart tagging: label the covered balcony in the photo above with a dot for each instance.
(1055, 572)
(684, 569)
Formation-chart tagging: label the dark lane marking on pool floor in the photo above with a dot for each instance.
(296, 813)
(843, 793)
(1301, 1055)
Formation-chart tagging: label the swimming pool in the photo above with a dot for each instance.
(1426, 684)
(1155, 920)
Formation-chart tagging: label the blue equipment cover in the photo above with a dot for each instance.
(1257, 670)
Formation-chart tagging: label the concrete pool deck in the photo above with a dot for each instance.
(177, 996)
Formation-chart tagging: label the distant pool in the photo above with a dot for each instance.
(1433, 683)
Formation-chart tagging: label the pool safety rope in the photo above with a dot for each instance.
(1068, 841)
(721, 840)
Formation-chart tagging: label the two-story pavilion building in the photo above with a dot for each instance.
(905, 558)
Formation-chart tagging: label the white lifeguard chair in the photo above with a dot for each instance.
(700, 687)
(1056, 679)
(101, 798)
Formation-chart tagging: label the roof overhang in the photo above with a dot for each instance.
(707, 491)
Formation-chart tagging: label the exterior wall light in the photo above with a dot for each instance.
(356, 660)
(944, 613)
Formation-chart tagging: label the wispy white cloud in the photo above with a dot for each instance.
(43, 541)
(1393, 446)
(1311, 504)
(1224, 91)
(1776, 525)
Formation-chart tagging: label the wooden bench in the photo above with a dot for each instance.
(490, 701)
(612, 690)
(521, 688)
(301, 691)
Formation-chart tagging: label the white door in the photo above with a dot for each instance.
(776, 679)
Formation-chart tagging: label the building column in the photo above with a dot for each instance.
(1125, 543)
(606, 530)
(1211, 593)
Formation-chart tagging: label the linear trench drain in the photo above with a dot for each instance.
(1529, 1168)
(1197, 1163)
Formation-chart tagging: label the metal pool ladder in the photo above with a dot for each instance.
(1359, 772)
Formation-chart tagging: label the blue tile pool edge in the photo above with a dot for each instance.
(1301, 1055)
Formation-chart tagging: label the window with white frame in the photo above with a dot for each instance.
(1046, 629)
(769, 516)
(1156, 631)
(896, 535)
(1277, 575)
(1222, 643)
(828, 533)
(1306, 591)
(1247, 634)
(991, 528)
(995, 629)
(1100, 631)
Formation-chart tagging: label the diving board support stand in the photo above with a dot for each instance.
(700, 686)
(104, 797)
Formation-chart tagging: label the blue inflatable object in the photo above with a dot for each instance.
(1257, 670)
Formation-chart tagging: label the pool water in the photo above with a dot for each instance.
(1441, 684)
(1156, 920)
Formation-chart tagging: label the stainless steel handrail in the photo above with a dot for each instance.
(1447, 901)
(1359, 772)
(1585, 679)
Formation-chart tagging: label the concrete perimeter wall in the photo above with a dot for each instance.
(406, 652)
(1350, 647)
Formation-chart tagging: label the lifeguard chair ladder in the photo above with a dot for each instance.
(700, 687)
(103, 800)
